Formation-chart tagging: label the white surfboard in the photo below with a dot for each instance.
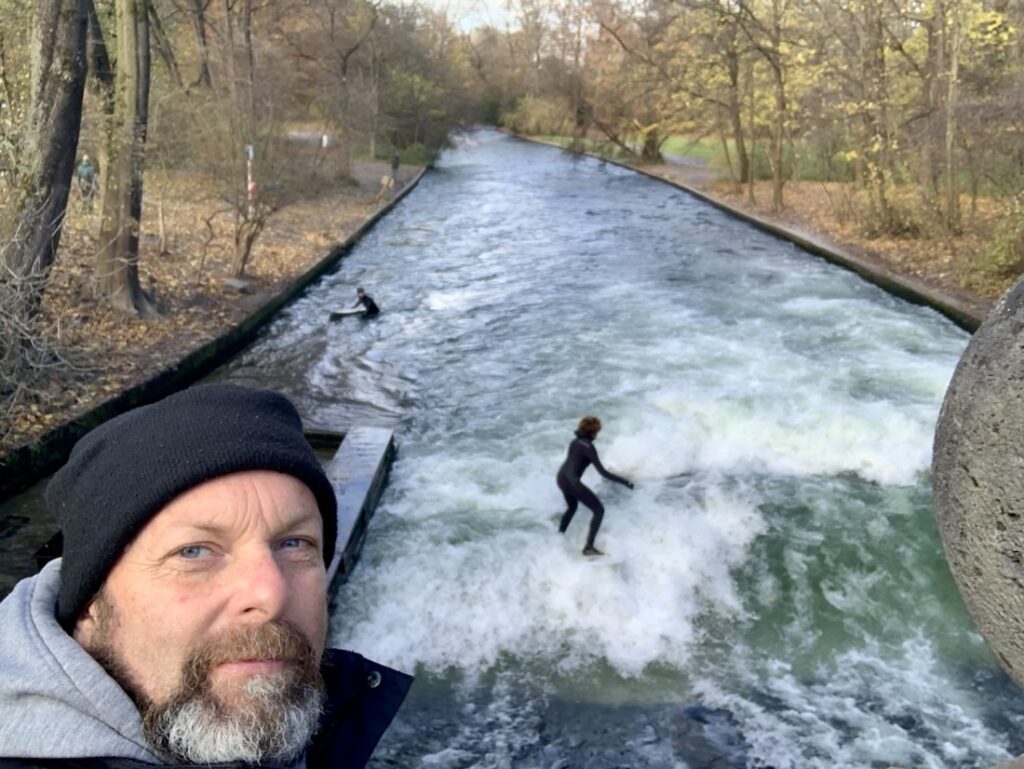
(603, 560)
(350, 311)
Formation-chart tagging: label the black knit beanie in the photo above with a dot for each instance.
(126, 470)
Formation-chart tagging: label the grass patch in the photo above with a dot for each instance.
(702, 148)
(810, 164)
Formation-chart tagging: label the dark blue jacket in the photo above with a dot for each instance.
(362, 699)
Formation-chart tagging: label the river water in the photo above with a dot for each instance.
(776, 593)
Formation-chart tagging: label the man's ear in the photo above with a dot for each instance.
(84, 630)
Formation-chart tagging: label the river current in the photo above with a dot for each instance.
(776, 593)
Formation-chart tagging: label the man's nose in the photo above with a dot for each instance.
(262, 587)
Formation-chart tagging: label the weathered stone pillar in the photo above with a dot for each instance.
(978, 477)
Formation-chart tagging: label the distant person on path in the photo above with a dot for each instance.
(370, 308)
(394, 165)
(85, 175)
(581, 455)
(186, 623)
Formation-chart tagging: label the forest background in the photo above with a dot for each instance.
(233, 141)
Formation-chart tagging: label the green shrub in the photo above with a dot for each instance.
(540, 115)
(1004, 258)
(415, 154)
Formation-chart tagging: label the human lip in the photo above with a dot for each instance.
(250, 667)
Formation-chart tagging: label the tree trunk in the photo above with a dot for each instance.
(952, 171)
(374, 100)
(733, 179)
(5, 75)
(777, 139)
(229, 60)
(31, 228)
(234, 138)
(929, 174)
(974, 163)
(101, 84)
(877, 149)
(650, 145)
(345, 121)
(250, 63)
(202, 49)
(164, 47)
(753, 134)
(116, 279)
(736, 112)
(779, 118)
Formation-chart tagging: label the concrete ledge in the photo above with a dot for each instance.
(358, 472)
(24, 465)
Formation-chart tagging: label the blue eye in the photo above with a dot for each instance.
(291, 543)
(193, 551)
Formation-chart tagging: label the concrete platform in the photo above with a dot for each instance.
(358, 471)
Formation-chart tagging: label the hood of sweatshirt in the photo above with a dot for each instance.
(56, 701)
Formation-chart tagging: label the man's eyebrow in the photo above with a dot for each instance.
(293, 521)
(210, 527)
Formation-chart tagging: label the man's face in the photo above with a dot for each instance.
(221, 599)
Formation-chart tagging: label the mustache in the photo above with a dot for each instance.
(274, 641)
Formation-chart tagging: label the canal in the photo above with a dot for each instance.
(776, 593)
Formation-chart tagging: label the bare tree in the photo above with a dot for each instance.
(765, 30)
(116, 277)
(100, 84)
(164, 47)
(32, 220)
(31, 224)
(196, 12)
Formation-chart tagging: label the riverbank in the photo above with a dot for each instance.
(187, 265)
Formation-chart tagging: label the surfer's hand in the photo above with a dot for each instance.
(628, 485)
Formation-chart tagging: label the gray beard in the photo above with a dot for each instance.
(274, 721)
(275, 725)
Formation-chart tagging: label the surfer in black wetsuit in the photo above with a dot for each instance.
(581, 455)
(371, 308)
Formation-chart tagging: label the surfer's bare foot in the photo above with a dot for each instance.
(591, 551)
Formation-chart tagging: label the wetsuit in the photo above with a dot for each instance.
(371, 306)
(581, 455)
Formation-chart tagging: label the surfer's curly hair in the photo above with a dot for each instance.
(590, 425)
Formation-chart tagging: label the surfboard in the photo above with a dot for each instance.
(339, 314)
(602, 560)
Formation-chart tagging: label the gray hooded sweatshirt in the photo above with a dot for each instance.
(55, 700)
